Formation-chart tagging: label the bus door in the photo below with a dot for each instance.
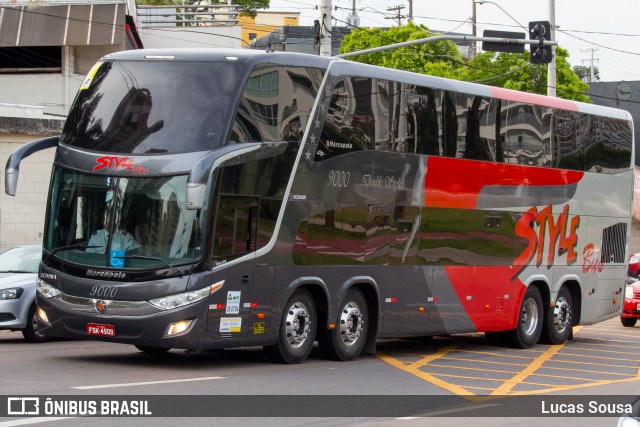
(235, 232)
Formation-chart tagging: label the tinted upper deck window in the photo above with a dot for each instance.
(147, 107)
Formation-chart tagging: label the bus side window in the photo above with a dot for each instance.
(235, 226)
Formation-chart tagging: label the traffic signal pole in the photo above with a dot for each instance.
(445, 37)
(551, 71)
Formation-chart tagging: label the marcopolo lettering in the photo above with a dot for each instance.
(103, 274)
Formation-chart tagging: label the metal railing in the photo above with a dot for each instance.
(187, 15)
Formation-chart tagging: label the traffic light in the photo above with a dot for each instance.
(540, 54)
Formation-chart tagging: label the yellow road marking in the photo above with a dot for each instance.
(584, 356)
(508, 385)
(483, 361)
(575, 386)
(413, 369)
(585, 370)
(470, 369)
(536, 359)
(574, 362)
(486, 353)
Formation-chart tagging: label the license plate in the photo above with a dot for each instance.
(101, 330)
(638, 307)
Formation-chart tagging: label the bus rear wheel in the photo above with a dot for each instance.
(346, 341)
(628, 322)
(529, 326)
(558, 319)
(297, 330)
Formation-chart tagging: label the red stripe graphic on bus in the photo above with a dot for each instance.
(455, 183)
(532, 98)
(496, 307)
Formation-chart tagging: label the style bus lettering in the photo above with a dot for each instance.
(562, 235)
(116, 162)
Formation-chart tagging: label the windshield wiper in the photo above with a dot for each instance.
(76, 246)
(149, 258)
(17, 271)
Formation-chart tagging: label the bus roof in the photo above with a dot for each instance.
(212, 54)
(254, 57)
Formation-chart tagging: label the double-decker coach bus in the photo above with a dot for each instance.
(205, 199)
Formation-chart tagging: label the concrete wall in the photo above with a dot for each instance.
(22, 216)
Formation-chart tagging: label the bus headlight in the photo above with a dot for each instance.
(180, 300)
(178, 328)
(43, 316)
(46, 290)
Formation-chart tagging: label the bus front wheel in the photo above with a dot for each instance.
(297, 331)
(347, 339)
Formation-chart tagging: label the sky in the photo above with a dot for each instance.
(608, 30)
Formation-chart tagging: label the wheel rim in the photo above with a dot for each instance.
(350, 323)
(562, 315)
(529, 317)
(34, 325)
(297, 325)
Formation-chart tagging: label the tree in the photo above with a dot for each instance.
(440, 58)
(514, 71)
(585, 73)
(249, 7)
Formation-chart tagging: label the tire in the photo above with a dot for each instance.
(297, 330)
(152, 350)
(530, 319)
(347, 340)
(558, 320)
(32, 333)
(628, 322)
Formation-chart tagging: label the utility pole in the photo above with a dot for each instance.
(396, 9)
(592, 60)
(551, 70)
(325, 28)
(410, 10)
(472, 52)
(353, 19)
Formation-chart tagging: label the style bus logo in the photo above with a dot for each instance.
(117, 162)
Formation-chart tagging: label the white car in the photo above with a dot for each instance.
(18, 275)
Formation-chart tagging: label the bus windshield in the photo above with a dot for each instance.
(143, 108)
(121, 222)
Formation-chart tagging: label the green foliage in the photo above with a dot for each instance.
(442, 58)
(585, 72)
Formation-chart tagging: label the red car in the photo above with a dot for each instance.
(631, 309)
(634, 266)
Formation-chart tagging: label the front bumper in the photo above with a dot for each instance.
(631, 308)
(13, 312)
(137, 323)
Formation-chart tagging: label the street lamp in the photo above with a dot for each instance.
(505, 12)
